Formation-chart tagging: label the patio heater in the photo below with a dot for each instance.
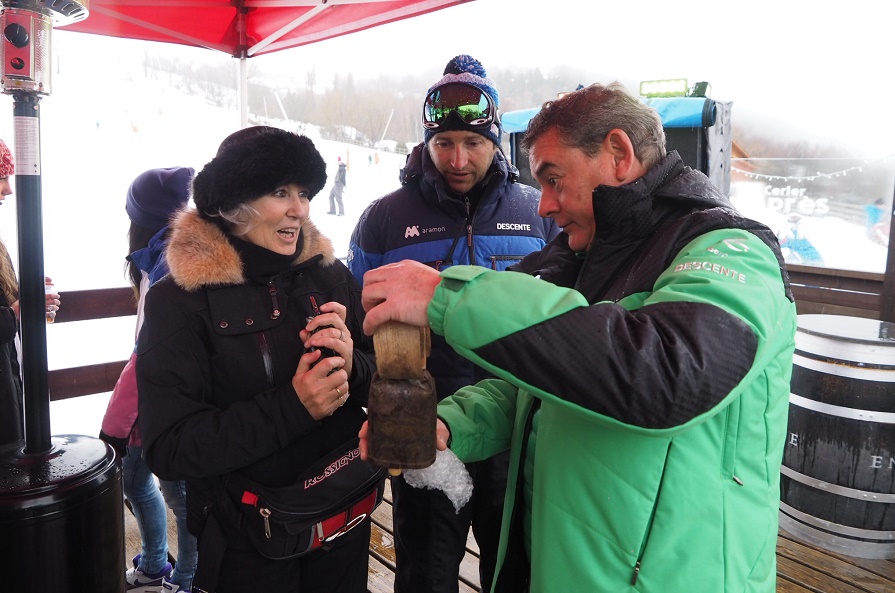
(61, 505)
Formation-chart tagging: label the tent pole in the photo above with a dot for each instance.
(243, 92)
(242, 52)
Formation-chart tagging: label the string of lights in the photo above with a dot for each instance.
(818, 175)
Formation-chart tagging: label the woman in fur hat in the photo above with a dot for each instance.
(252, 361)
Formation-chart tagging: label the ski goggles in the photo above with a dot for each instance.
(473, 106)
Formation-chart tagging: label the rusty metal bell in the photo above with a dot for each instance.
(402, 401)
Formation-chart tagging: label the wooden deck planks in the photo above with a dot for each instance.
(827, 572)
(801, 567)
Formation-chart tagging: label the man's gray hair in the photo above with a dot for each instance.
(584, 118)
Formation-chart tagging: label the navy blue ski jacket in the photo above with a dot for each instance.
(425, 222)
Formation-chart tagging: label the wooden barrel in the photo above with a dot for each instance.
(837, 484)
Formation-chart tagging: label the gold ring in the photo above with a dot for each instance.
(339, 392)
(340, 334)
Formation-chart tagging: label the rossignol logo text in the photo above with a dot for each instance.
(333, 467)
(513, 226)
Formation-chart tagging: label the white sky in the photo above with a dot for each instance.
(817, 66)
(820, 70)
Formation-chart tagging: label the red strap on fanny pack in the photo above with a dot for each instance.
(249, 498)
(340, 524)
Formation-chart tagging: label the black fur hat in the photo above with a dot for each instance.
(253, 162)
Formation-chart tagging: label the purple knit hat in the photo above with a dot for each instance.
(155, 194)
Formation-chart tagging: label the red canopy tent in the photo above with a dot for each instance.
(241, 28)
(244, 28)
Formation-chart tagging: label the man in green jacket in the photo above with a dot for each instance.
(643, 362)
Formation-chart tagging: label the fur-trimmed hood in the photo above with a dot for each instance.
(199, 253)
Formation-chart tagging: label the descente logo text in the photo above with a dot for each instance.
(415, 231)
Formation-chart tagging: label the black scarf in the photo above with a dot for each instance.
(261, 264)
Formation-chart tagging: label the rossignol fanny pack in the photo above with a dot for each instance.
(329, 499)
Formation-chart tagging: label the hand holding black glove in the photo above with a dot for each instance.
(117, 443)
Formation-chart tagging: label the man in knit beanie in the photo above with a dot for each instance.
(459, 204)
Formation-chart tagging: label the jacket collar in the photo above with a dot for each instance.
(151, 259)
(630, 212)
(419, 168)
(199, 254)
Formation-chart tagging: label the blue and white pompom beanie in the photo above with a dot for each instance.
(464, 68)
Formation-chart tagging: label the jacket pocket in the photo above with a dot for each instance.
(730, 440)
(652, 518)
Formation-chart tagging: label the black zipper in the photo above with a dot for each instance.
(469, 241)
(266, 357)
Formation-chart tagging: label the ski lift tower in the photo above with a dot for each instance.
(60, 497)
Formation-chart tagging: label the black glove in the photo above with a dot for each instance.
(117, 443)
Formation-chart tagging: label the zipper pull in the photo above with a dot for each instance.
(314, 306)
(469, 246)
(469, 241)
(272, 291)
(636, 573)
(265, 513)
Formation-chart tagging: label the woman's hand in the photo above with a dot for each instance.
(53, 301)
(322, 382)
(337, 337)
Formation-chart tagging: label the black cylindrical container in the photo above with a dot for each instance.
(838, 475)
(62, 518)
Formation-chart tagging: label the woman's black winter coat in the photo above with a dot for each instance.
(215, 360)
